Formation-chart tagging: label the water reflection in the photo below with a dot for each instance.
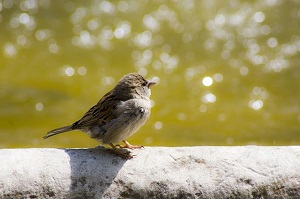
(256, 104)
(9, 50)
(209, 98)
(82, 70)
(39, 106)
(207, 81)
(228, 70)
(202, 108)
(257, 96)
(107, 80)
(69, 71)
(218, 77)
(158, 125)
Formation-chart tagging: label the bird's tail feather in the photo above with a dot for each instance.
(58, 131)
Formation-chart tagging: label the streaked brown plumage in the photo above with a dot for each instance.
(118, 114)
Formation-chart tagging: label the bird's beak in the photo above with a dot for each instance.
(151, 83)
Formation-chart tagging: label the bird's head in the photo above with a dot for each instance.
(135, 84)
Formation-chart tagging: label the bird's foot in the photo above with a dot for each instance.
(129, 146)
(120, 152)
(100, 147)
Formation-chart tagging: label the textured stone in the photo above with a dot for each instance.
(156, 172)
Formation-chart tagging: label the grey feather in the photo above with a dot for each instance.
(58, 131)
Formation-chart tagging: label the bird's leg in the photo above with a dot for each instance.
(129, 146)
(120, 152)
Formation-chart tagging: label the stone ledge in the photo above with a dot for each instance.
(156, 172)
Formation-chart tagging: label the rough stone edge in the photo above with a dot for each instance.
(156, 172)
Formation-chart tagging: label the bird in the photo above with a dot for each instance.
(118, 114)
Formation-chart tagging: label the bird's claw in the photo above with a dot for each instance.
(129, 146)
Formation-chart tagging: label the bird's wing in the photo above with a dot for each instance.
(101, 113)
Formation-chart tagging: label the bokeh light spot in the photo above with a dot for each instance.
(207, 81)
(259, 17)
(39, 106)
(158, 125)
(82, 70)
(272, 42)
(256, 104)
(69, 71)
(209, 98)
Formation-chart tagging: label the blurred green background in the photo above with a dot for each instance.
(228, 71)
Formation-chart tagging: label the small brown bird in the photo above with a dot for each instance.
(119, 114)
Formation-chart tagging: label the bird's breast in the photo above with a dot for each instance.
(137, 111)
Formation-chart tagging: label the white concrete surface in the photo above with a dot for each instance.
(156, 172)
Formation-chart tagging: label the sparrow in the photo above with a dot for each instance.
(118, 114)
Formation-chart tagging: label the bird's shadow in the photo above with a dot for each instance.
(92, 171)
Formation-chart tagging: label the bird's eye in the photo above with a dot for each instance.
(144, 84)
